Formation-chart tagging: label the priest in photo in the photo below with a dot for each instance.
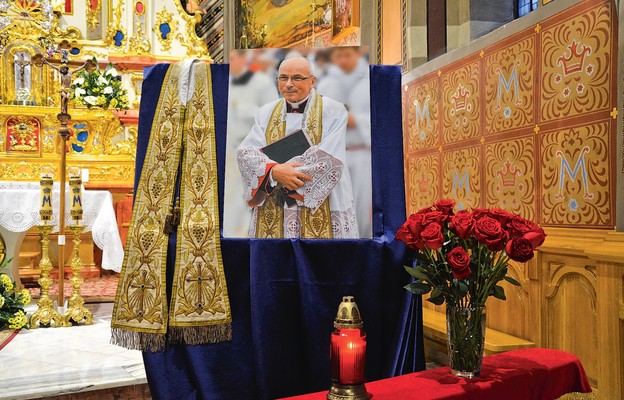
(309, 195)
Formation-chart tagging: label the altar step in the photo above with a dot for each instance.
(434, 331)
(134, 392)
(75, 362)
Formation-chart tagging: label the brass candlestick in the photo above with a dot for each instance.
(76, 312)
(45, 315)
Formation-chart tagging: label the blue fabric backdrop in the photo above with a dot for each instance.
(284, 294)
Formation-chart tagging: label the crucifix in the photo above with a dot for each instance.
(21, 64)
(66, 79)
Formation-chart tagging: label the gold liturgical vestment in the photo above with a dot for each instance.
(181, 149)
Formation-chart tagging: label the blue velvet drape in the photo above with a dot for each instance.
(284, 293)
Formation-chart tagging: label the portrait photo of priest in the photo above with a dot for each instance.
(293, 162)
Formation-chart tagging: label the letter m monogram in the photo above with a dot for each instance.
(460, 182)
(423, 113)
(506, 85)
(572, 173)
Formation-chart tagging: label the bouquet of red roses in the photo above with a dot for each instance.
(462, 257)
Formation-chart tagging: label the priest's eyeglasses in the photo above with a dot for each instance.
(295, 78)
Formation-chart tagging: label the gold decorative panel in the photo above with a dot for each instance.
(575, 175)
(537, 109)
(460, 96)
(421, 114)
(509, 80)
(576, 54)
(461, 177)
(422, 181)
(510, 176)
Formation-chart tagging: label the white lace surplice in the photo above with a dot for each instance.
(324, 162)
(19, 211)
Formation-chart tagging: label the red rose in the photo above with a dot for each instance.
(479, 213)
(432, 236)
(518, 226)
(490, 232)
(409, 232)
(434, 216)
(459, 261)
(536, 238)
(519, 249)
(500, 215)
(445, 206)
(462, 224)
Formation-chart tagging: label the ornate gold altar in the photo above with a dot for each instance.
(131, 34)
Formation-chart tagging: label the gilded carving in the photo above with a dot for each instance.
(23, 134)
(94, 8)
(164, 26)
(116, 35)
(510, 176)
(509, 79)
(576, 176)
(460, 96)
(576, 65)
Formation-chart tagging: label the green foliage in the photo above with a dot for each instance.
(12, 302)
(100, 89)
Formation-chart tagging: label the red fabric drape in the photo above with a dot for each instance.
(527, 374)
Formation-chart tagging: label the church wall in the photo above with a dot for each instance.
(526, 119)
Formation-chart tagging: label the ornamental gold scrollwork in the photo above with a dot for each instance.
(116, 34)
(195, 47)
(93, 13)
(164, 17)
(139, 44)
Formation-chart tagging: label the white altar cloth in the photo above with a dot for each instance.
(19, 211)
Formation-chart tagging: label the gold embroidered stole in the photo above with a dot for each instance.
(270, 216)
(199, 310)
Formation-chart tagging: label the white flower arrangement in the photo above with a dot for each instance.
(100, 89)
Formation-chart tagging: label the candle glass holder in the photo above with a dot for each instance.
(348, 354)
(77, 313)
(46, 315)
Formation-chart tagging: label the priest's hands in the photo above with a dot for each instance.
(288, 176)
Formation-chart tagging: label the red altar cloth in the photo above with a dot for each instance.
(537, 374)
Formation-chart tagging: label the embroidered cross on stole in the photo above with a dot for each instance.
(182, 143)
(270, 216)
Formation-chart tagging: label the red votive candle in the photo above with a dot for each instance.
(348, 355)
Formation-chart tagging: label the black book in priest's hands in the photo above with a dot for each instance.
(285, 149)
(292, 145)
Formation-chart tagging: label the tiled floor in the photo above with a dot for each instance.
(53, 361)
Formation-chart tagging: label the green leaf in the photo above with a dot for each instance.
(438, 300)
(416, 272)
(512, 281)
(436, 292)
(418, 288)
(499, 292)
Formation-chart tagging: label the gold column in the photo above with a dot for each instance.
(45, 315)
(76, 312)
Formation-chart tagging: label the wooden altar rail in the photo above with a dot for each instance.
(571, 298)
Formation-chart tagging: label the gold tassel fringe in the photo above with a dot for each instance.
(138, 340)
(194, 335)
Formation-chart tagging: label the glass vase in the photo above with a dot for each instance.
(465, 329)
